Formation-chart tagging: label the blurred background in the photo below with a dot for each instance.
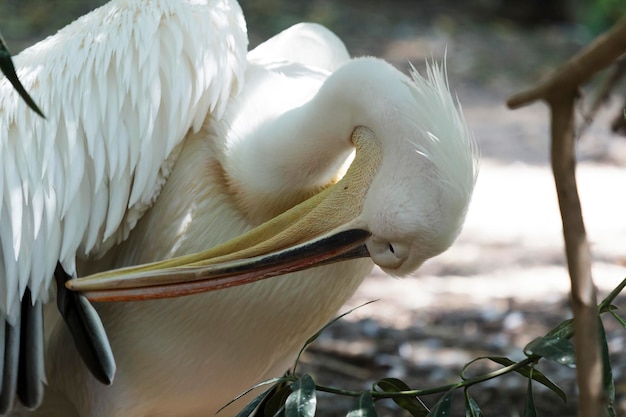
(504, 282)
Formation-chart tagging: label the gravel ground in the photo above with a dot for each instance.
(504, 281)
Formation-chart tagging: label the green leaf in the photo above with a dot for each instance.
(554, 348)
(7, 68)
(529, 409)
(617, 317)
(249, 409)
(442, 408)
(320, 331)
(411, 404)
(275, 404)
(471, 408)
(607, 373)
(302, 400)
(272, 382)
(608, 300)
(536, 375)
(364, 406)
(565, 330)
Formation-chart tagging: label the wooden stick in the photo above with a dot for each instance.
(584, 300)
(599, 54)
(560, 92)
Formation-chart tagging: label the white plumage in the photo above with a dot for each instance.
(162, 140)
(120, 88)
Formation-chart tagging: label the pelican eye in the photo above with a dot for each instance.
(387, 254)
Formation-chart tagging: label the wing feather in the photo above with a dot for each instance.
(120, 88)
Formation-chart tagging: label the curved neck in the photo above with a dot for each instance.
(314, 139)
(292, 155)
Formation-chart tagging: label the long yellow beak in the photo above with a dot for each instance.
(321, 230)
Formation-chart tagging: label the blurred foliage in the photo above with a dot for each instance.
(599, 15)
(25, 21)
(537, 34)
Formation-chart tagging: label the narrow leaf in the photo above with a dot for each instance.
(302, 400)
(411, 404)
(467, 366)
(536, 375)
(608, 300)
(320, 331)
(565, 330)
(618, 318)
(272, 381)
(364, 406)
(554, 348)
(529, 408)
(275, 404)
(442, 408)
(249, 409)
(607, 373)
(471, 407)
(7, 68)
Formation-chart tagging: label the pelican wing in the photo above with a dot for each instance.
(120, 87)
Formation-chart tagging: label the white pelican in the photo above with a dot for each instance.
(162, 140)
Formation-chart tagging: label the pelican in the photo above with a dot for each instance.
(217, 206)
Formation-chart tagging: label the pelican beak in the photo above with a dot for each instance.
(321, 230)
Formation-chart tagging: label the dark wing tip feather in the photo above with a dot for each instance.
(7, 68)
(10, 360)
(31, 370)
(86, 329)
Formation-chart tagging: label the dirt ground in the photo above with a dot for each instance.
(504, 282)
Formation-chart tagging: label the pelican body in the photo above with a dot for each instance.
(202, 185)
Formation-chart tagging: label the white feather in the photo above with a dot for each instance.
(120, 87)
(245, 158)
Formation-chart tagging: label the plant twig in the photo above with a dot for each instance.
(441, 389)
(560, 92)
(603, 94)
(618, 125)
(599, 54)
(584, 303)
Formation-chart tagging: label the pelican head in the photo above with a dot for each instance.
(416, 203)
(402, 200)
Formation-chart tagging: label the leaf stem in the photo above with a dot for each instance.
(444, 388)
